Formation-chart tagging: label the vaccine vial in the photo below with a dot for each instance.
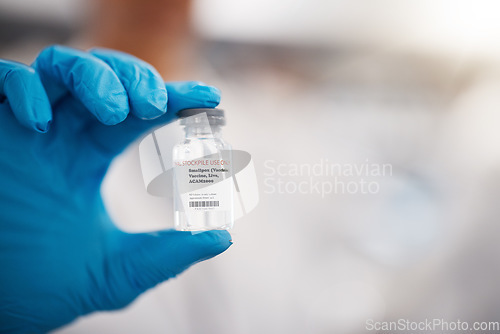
(202, 172)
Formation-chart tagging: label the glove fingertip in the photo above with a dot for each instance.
(191, 94)
(213, 242)
(111, 118)
(152, 106)
(42, 127)
(195, 246)
(113, 110)
(217, 237)
(42, 112)
(210, 93)
(27, 98)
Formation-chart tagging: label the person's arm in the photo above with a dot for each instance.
(62, 121)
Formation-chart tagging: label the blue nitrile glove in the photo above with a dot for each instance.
(62, 121)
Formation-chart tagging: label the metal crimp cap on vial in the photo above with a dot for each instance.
(215, 116)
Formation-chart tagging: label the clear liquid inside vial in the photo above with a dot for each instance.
(203, 187)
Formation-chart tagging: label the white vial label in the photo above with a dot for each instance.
(204, 184)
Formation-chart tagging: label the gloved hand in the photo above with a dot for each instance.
(62, 121)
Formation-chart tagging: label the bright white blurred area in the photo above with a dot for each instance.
(415, 84)
(446, 26)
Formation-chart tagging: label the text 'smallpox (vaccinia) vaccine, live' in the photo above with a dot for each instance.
(202, 165)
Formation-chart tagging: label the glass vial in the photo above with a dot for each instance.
(203, 185)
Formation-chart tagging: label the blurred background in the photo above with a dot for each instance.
(414, 84)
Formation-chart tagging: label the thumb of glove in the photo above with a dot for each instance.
(151, 258)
